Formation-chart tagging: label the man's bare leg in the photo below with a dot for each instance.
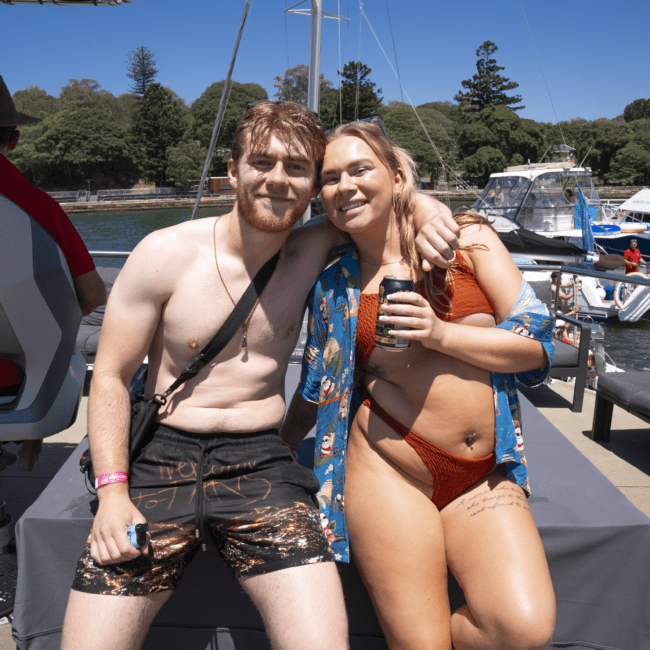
(96, 622)
(302, 607)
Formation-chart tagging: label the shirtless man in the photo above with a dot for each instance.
(176, 289)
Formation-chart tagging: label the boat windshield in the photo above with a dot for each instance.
(546, 207)
(586, 183)
(502, 196)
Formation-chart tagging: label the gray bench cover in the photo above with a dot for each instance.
(628, 388)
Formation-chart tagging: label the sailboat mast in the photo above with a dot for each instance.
(313, 96)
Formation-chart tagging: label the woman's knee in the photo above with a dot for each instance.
(522, 628)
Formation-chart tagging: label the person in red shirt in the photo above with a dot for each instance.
(632, 257)
(89, 287)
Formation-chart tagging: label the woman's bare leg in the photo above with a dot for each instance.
(397, 544)
(495, 552)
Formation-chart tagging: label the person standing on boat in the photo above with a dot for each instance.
(632, 257)
(89, 287)
(215, 464)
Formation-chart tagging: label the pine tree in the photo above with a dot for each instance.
(142, 69)
(487, 87)
(368, 100)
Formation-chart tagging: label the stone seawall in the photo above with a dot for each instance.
(228, 200)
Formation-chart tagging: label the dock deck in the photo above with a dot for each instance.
(625, 461)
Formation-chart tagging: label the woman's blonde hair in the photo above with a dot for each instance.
(397, 159)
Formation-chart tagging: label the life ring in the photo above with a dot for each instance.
(624, 290)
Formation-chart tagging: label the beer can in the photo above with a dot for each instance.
(389, 285)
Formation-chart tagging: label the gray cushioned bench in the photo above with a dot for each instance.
(629, 390)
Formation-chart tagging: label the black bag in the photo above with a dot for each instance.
(143, 412)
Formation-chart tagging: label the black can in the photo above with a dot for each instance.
(389, 285)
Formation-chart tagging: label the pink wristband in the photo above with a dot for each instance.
(112, 477)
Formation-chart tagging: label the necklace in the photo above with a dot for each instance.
(243, 343)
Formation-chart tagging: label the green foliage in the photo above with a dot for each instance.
(595, 142)
(487, 87)
(141, 69)
(486, 161)
(185, 163)
(630, 165)
(35, 101)
(204, 113)
(499, 128)
(294, 86)
(639, 109)
(404, 128)
(355, 77)
(73, 145)
(158, 123)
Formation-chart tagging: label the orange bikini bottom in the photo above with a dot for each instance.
(451, 474)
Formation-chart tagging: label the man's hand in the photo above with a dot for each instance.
(438, 233)
(109, 542)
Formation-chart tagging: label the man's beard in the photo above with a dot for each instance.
(264, 220)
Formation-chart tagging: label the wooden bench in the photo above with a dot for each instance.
(629, 390)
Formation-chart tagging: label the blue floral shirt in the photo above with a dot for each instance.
(328, 380)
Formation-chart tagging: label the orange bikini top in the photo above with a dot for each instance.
(465, 294)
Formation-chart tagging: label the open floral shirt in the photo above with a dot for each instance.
(328, 380)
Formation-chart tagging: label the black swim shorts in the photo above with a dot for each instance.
(252, 497)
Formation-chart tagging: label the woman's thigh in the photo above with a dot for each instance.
(397, 544)
(494, 550)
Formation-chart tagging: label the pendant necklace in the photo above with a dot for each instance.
(243, 343)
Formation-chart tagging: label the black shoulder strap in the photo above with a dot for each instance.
(238, 315)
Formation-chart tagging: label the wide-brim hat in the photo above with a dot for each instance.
(9, 116)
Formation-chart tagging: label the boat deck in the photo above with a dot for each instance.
(625, 461)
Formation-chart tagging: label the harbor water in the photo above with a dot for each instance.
(628, 344)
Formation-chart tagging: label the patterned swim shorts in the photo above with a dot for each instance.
(252, 497)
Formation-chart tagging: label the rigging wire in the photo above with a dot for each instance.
(225, 96)
(557, 119)
(446, 168)
(338, 13)
(394, 50)
(286, 32)
(356, 101)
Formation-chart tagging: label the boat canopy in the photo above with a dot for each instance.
(640, 202)
(39, 319)
(533, 196)
(526, 242)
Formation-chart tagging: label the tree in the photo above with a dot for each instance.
(84, 91)
(355, 78)
(499, 128)
(486, 161)
(637, 110)
(79, 142)
(35, 101)
(142, 69)
(294, 87)
(158, 123)
(185, 163)
(404, 128)
(487, 87)
(630, 165)
(204, 112)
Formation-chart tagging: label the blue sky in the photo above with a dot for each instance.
(595, 54)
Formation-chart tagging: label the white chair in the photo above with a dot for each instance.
(39, 319)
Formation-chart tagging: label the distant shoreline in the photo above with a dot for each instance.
(228, 200)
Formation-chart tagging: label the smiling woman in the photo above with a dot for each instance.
(409, 447)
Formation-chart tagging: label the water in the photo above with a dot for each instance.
(628, 344)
